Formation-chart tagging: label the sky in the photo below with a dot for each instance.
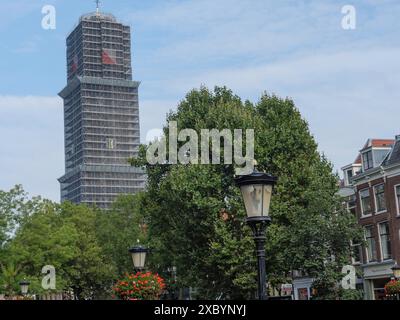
(344, 82)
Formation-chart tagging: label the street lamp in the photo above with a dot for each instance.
(396, 276)
(24, 284)
(139, 256)
(396, 271)
(256, 190)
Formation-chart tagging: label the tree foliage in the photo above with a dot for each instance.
(88, 247)
(196, 215)
(192, 216)
(119, 228)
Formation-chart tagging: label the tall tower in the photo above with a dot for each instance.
(101, 113)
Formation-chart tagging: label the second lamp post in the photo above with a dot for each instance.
(256, 191)
(24, 284)
(396, 272)
(139, 256)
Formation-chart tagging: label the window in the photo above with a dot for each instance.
(352, 204)
(371, 245)
(355, 252)
(365, 200)
(397, 189)
(380, 201)
(384, 235)
(367, 160)
(349, 175)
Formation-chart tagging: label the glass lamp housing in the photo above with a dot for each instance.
(256, 191)
(139, 256)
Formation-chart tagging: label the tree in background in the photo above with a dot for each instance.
(9, 278)
(15, 209)
(88, 247)
(192, 216)
(15, 206)
(119, 228)
(196, 216)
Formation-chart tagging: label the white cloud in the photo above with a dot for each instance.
(32, 140)
(29, 46)
(195, 32)
(31, 131)
(11, 11)
(13, 102)
(346, 97)
(152, 117)
(344, 82)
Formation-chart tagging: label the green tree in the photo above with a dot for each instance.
(119, 228)
(15, 206)
(65, 237)
(196, 214)
(10, 202)
(9, 278)
(89, 272)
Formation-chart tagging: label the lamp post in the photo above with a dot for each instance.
(256, 190)
(396, 276)
(24, 284)
(139, 256)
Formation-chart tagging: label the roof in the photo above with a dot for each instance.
(358, 160)
(346, 191)
(379, 143)
(393, 156)
(391, 160)
(77, 80)
(96, 16)
(374, 143)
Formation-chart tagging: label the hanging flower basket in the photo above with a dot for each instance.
(139, 286)
(393, 287)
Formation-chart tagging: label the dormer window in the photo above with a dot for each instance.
(374, 152)
(367, 160)
(350, 171)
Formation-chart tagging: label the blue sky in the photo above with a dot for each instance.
(345, 83)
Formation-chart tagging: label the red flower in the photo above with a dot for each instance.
(139, 286)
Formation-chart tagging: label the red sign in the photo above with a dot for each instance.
(74, 65)
(109, 56)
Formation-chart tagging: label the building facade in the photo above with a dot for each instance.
(375, 181)
(101, 113)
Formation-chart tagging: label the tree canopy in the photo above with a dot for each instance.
(192, 215)
(87, 247)
(196, 215)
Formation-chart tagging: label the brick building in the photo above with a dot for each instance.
(372, 185)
